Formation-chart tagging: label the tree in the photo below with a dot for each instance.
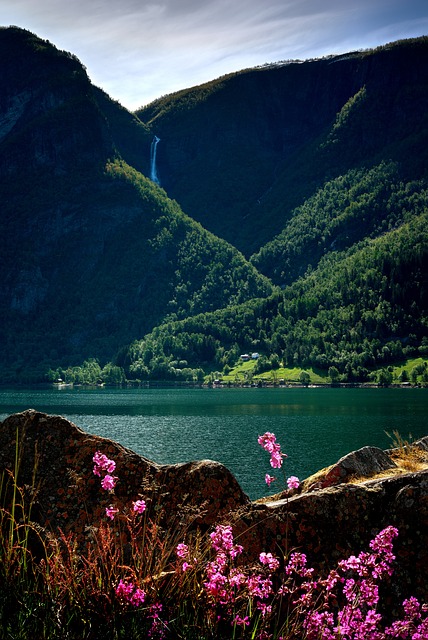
(305, 378)
(333, 374)
(404, 376)
(384, 378)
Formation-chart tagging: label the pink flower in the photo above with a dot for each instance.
(108, 482)
(269, 479)
(182, 550)
(139, 506)
(222, 541)
(276, 459)
(236, 578)
(264, 608)
(293, 482)
(130, 593)
(102, 463)
(111, 512)
(270, 560)
(269, 444)
(137, 597)
(185, 566)
(267, 441)
(124, 590)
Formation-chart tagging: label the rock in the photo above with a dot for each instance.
(68, 496)
(327, 524)
(362, 463)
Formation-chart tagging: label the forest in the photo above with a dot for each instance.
(279, 227)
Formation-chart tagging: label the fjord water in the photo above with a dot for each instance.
(315, 427)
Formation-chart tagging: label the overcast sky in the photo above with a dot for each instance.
(138, 50)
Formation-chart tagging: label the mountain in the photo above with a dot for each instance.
(94, 253)
(242, 152)
(290, 218)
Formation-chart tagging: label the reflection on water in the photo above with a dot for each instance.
(314, 426)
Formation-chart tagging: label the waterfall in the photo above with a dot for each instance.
(153, 171)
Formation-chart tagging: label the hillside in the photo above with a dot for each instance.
(359, 309)
(241, 152)
(290, 219)
(94, 254)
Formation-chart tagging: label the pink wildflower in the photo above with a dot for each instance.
(182, 550)
(108, 482)
(264, 608)
(185, 566)
(270, 560)
(258, 586)
(124, 590)
(236, 578)
(102, 463)
(137, 597)
(129, 592)
(139, 506)
(222, 541)
(293, 482)
(267, 441)
(111, 512)
(242, 622)
(269, 479)
(269, 444)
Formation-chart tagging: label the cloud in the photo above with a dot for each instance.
(140, 49)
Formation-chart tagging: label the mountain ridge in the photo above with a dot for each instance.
(298, 167)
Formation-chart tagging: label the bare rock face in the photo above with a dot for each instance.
(55, 471)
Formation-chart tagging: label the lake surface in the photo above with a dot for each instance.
(315, 426)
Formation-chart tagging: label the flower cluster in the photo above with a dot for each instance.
(157, 629)
(182, 551)
(268, 442)
(104, 468)
(128, 592)
(354, 581)
(139, 506)
(293, 482)
(230, 586)
(270, 560)
(344, 604)
(222, 577)
(412, 625)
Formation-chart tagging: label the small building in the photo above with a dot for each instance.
(245, 357)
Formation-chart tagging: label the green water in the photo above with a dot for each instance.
(315, 427)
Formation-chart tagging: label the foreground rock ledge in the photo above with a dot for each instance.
(329, 521)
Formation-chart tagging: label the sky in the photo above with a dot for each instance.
(139, 50)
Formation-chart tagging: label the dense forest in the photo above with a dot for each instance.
(290, 219)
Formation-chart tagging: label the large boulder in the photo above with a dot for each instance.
(55, 468)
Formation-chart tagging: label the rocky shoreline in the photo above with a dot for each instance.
(332, 515)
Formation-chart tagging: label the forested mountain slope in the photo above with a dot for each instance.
(240, 153)
(360, 308)
(93, 253)
(315, 171)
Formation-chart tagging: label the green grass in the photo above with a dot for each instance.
(243, 372)
(408, 365)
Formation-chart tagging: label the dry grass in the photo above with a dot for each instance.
(407, 456)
